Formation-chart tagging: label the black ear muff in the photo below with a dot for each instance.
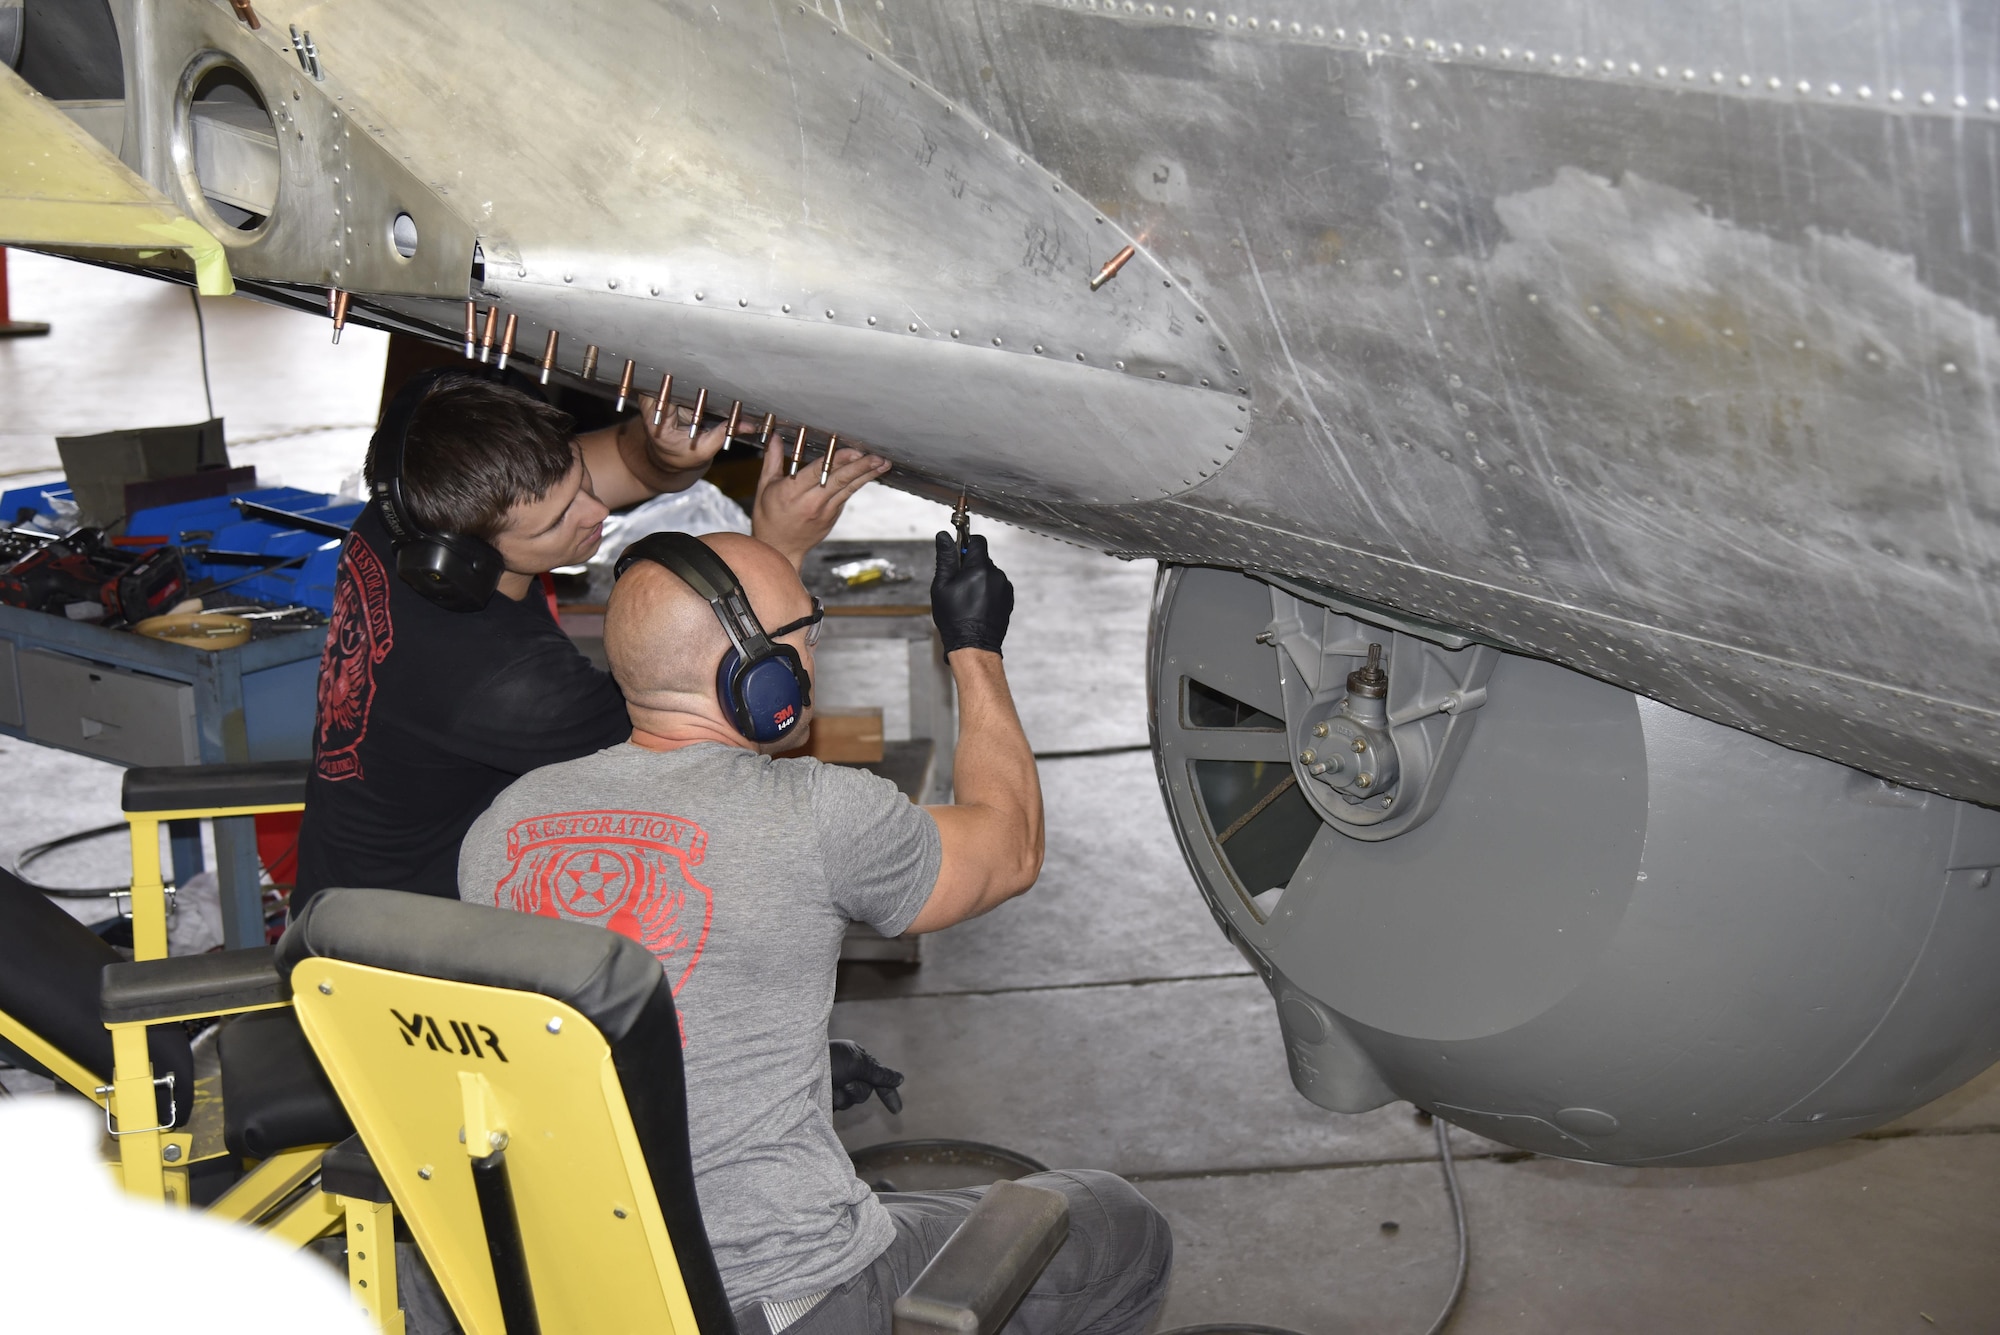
(456, 571)
(762, 686)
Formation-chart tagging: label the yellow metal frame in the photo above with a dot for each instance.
(436, 1073)
(149, 890)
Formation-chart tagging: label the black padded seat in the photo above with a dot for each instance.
(51, 970)
(275, 1096)
(264, 783)
(611, 979)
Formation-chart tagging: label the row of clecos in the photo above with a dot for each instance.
(491, 342)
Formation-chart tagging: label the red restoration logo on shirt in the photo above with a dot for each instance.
(631, 871)
(359, 638)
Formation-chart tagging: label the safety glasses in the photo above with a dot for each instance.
(811, 625)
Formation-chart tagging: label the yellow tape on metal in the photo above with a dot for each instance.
(60, 187)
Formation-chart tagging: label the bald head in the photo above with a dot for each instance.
(664, 641)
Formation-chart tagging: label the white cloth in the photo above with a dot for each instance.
(80, 1253)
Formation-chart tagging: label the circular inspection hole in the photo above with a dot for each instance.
(403, 235)
(227, 146)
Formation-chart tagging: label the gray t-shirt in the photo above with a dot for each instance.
(741, 872)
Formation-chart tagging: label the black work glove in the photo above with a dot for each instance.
(971, 598)
(856, 1075)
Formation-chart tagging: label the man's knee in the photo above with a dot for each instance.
(1126, 1231)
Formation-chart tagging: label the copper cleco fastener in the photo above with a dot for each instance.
(798, 454)
(1111, 267)
(246, 13)
(660, 404)
(339, 312)
(826, 464)
(471, 329)
(590, 362)
(700, 407)
(486, 337)
(625, 385)
(507, 340)
(549, 356)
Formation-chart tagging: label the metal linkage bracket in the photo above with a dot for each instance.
(173, 1109)
(123, 900)
(1374, 757)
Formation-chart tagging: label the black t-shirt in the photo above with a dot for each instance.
(425, 715)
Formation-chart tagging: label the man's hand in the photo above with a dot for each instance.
(666, 450)
(793, 514)
(856, 1075)
(972, 599)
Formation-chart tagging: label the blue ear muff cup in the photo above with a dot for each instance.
(764, 698)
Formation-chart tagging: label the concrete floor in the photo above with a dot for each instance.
(1102, 1021)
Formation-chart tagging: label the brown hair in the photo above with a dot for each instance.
(474, 449)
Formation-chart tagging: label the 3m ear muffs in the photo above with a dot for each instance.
(456, 571)
(762, 685)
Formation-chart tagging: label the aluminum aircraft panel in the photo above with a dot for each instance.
(1655, 340)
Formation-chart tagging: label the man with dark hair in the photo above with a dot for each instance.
(424, 713)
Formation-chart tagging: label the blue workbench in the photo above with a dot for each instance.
(132, 700)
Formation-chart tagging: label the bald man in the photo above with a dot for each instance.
(741, 872)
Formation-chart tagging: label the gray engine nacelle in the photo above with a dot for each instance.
(1600, 928)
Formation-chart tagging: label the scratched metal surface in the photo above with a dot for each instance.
(1686, 383)
(1655, 338)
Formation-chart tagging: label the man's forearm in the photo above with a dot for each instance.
(994, 766)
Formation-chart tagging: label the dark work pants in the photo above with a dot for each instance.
(1108, 1279)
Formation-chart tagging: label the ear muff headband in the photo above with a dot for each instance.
(454, 570)
(761, 684)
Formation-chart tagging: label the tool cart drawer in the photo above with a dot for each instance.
(129, 717)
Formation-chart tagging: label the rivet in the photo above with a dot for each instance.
(1715, 76)
(699, 296)
(655, 291)
(1742, 81)
(326, 989)
(913, 326)
(954, 333)
(425, 1172)
(743, 301)
(1686, 75)
(871, 319)
(1959, 101)
(1079, 357)
(1833, 90)
(569, 278)
(1038, 347)
(555, 1024)
(611, 283)
(1803, 86)
(1864, 92)
(1775, 83)
(1951, 368)
(617, 1212)
(829, 315)
(1119, 365)
(786, 308)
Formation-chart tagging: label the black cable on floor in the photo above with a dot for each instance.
(38, 851)
(1458, 1276)
(1458, 1222)
(201, 332)
(1093, 751)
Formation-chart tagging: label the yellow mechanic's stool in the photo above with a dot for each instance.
(517, 1084)
(152, 797)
